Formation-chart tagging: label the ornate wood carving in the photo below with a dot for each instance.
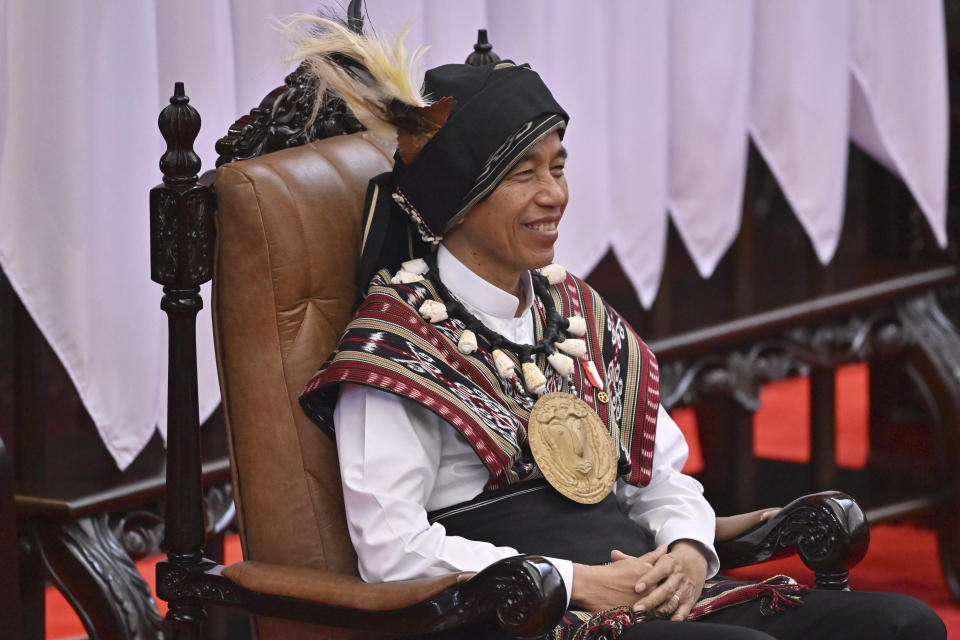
(523, 595)
(141, 532)
(176, 582)
(91, 560)
(926, 326)
(829, 530)
(279, 122)
(741, 370)
(181, 209)
(92, 569)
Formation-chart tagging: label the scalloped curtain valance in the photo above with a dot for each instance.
(663, 95)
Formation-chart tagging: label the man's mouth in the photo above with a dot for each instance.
(542, 226)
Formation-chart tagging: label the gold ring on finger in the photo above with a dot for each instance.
(677, 598)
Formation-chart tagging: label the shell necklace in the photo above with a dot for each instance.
(560, 350)
(569, 442)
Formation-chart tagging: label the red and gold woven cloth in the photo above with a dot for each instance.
(388, 345)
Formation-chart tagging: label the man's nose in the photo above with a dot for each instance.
(552, 192)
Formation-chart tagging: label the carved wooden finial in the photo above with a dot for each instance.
(179, 124)
(482, 51)
(181, 208)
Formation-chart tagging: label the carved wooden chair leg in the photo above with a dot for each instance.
(86, 561)
(933, 350)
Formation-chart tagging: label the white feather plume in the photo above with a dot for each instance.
(393, 73)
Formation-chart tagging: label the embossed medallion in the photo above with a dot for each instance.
(572, 448)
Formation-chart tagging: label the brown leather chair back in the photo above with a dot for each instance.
(288, 240)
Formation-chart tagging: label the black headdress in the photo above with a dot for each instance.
(457, 137)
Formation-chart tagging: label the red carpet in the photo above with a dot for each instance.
(886, 568)
(781, 431)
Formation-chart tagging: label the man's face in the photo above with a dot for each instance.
(514, 228)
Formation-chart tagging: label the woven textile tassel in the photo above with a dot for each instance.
(774, 594)
(606, 625)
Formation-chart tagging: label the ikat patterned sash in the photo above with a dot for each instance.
(775, 594)
(390, 347)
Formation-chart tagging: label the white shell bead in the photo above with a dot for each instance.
(433, 311)
(573, 347)
(554, 273)
(404, 277)
(561, 363)
(534, 379)
(578, 326)
(504, 365)
(467, 343)
(417, 266)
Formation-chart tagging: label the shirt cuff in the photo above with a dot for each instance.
(565, 567)
(669, 535)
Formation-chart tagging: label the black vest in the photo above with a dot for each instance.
(533, 518)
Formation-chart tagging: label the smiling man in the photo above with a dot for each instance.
(514, 228)
(471, 351)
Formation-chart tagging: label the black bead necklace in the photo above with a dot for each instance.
(524, 352)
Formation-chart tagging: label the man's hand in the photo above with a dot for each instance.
(674, 583)
(602, 587)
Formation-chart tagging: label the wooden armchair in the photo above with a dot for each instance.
(282, 259)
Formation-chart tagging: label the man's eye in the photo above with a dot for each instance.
(522, 174)
(558, 168)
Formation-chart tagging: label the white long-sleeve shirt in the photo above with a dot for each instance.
(399, 460)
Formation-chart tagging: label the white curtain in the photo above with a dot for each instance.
(800, 101)
(663, 95)
(900, 113)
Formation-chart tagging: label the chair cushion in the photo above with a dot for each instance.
(337, 589)
(288, 242)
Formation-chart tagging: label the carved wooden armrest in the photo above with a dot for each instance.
(524, 595)
(829, 530)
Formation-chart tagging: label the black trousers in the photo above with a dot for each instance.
(534, 518)
(847, 615)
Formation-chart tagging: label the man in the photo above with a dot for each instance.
(455, 361)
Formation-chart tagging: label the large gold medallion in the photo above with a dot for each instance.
(572, 447)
